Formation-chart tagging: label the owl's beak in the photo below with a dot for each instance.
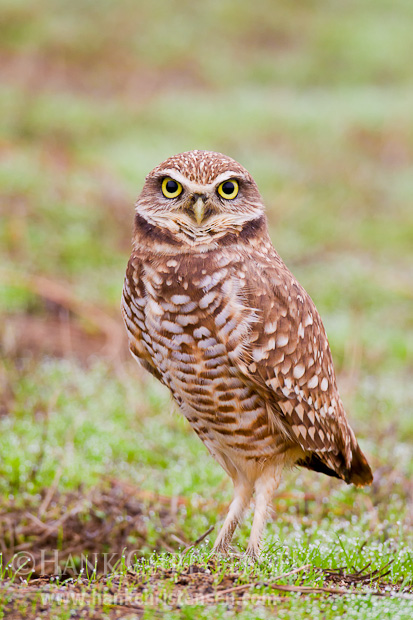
(199, 210)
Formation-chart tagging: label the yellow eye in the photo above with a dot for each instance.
(171, 188)
(228, 189)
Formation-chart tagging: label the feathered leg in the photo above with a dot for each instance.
(265, 487)
(242, 496)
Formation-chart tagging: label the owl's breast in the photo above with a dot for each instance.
(195, 321)
(195, 326)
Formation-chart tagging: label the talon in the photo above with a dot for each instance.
(253, 555)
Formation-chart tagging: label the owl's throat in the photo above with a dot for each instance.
(215, 231)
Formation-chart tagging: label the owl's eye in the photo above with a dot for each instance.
(171, 188)
(228, 189)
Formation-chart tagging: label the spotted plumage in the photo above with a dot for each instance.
(214, 314)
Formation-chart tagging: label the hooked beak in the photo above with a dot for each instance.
(199, 210)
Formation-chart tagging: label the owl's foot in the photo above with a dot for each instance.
(220, 550)
(236, 556)
(252, 555)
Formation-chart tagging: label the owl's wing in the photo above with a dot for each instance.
(132, 308)
(290, 361)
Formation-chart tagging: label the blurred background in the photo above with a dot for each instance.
(314, 98)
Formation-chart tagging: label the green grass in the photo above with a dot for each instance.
(315, 99)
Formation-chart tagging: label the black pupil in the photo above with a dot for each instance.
(171, 186)
(228, 187)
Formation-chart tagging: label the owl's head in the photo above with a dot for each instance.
(198, 199)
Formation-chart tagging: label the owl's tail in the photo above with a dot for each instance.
(359, 472)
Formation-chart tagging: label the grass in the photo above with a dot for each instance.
(315, 100)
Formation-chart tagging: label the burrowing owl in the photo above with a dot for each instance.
(212, 312)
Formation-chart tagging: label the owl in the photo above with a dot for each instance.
(212, 312)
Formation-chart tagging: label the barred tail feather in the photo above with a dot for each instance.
(359, 472)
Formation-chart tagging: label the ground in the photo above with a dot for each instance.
(109, 504)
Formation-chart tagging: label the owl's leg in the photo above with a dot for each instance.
(242, 496)
(265, 487)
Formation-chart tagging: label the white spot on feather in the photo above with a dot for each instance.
(308, 320)
(258, 354)
(206, 300)
(303, 430)
(201, 332)
(313, 382)
(173, 328)
(298, 371)
(300, 411)
(222, 317)
(274, 383)
(282, 340)
(154, 308)
(179, 300)
(324, 384)
(183, 338)
(205, 282)
(270, 344)
(205, 344)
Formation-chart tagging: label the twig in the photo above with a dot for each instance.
(308, 589)
(199, 539)
(358, 575)
(258, 583)
(203, 536)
